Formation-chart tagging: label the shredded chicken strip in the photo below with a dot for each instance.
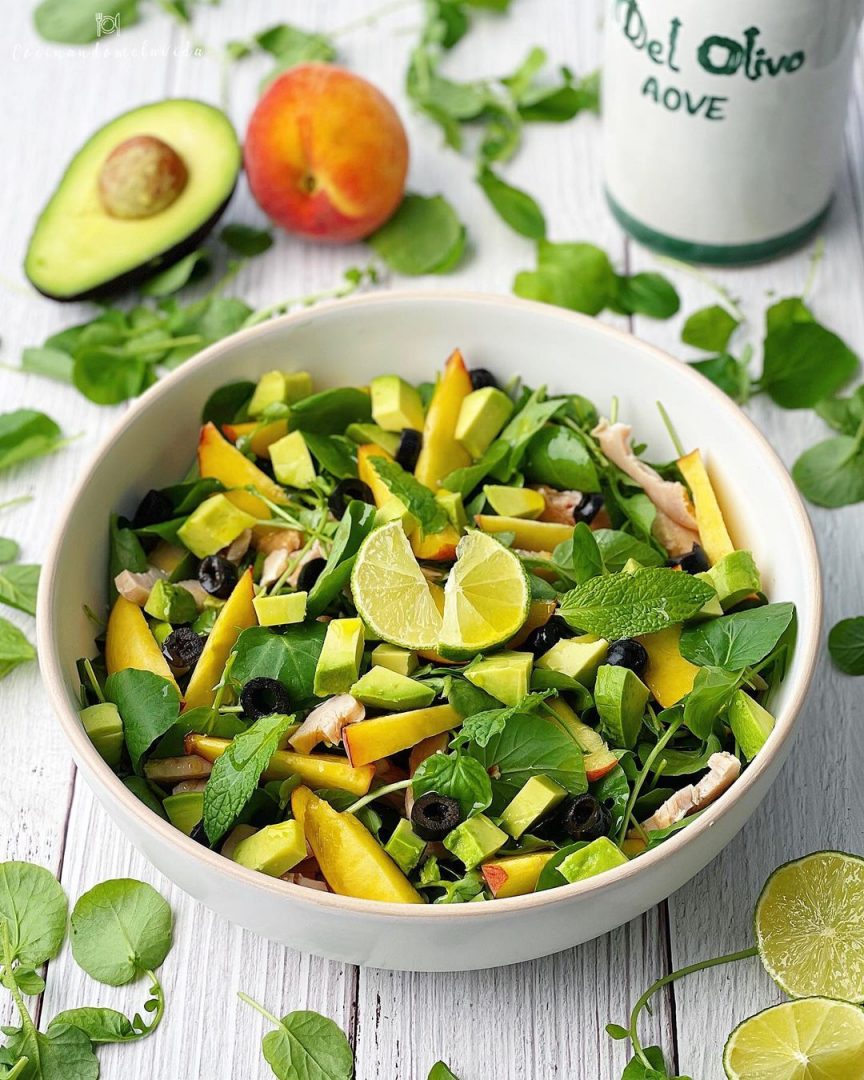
(136, 587)
(723, 770)
(238, 548)
(314, 552)
(325, 723)
(278, 540)
(274, 567)
(560, 505)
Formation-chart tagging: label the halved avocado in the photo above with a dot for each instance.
(173, 167)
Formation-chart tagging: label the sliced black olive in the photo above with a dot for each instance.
(588, 508)
(154, 508)
(629, 653)
(309, 574)
(264, 697)
(694, 562)
(218, 576)
(542, 639)
(345, 491)
(182, 649)
(199, 835)
(434, 815)
(410, 443)
(480, 378)
(584, 818)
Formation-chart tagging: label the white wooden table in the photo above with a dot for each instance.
(542, 1019)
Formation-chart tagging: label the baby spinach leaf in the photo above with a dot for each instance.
(846, 645)
(458, 776)
(329, 412)
(64, 1053)
(479, 727)
(709, 329)
(245, 239)
(98, 1024)
(526, 423)
(422, 237)
(575, 276)
(647, 294)
(624, 605)
(148, 705)
(355, 526)
(15, 649)
(75, 22)
(416, 496)
(831, 473)
(579, 557)
(736, 641)
(237, 772)
(125, 550)
(712, 691)
(18, 585)
(514, 206)
(617, 548)
(466, 698)
(305, 1046)
(34, 908)
(440, 1071)
(334, 453)
(681, 762)
(26, 434)
(558, 457)
(224, 404)
(466, 479)
(804, 363)
(290, 657)
(121, 929)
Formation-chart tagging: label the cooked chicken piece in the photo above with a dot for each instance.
(325, 723)
(136, 587)
(560, 505)
(314, 552)
(195, 587)
(677, 539)
(238, 548)
(723, 770)
(278, 540)
(306, 882)
(274, 567)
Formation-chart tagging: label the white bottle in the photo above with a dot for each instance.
(723, 121)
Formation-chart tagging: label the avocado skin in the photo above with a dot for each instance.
(139, 274)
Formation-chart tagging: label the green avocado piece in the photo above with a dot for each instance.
(272, 850)
(631, 566)
(405, 847)
(734, 577)
(161, 630)
(402, 661)
(620, 697)
(385, 689)
(207, 619)
(371, 433)
(279, 388)
(453, 508)
(184, 810)
(578, 657)
(474, 840)
(280, 610)
(506, 675)
(291, 460)
(597, 857)
(171, 603)
(482, 415)
(514, 502)
(80, 250)
(751, 723)
(534, 801)
(213, 525)
(339, 663)
(104, 728)
(396, 404)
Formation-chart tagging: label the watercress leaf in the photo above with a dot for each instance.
(308, 1046)
(647, 294)
(107, 375)
(224, 404)
(638, 1070)
(291, 45)
(736, 641)
(502, 131)
(624, 605)
(191, 267)
(220, 316)
(681, 762)
(558, 104)
(804, 363)
(290, 657)
(120, 929)
(100, 1025)
(831, 473)
(329, 412)
(34, 908)
(50, 363)
(18, 585)
(416, 496)
(466, 479)
(579, 557)
(458, 776)
(76, 22)
(712, 691)
(617, 1032)
(63, 1053)
(786, 312)
(334, 453)
(356, 524)
(421, 236)
(148, 705)
(246, 240)
(15, 649)
(575, 276)
(125, 550)
(26, 434)
(846, 645)
(514, 206)
(728, 374)
(237, 772)
(28, 981)
(439, 1071)
(9, 550)
(709, 329)
(617, 548)
(843, 414)
(558, 457)
(526, 423)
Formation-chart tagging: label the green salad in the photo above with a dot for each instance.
(443, 643)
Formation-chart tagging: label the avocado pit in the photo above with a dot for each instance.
(141, 177)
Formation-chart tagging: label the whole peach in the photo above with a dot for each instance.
(326, 154)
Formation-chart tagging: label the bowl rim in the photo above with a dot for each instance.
(809, 635)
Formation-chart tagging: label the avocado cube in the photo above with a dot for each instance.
(395, 510)
(171, 603)
(213, 525)
(279, 388)
(482, 415)
(184, 810)
(338, 665)
(620, 697)
(272, 850)
(402, 661)
(506, 676)
(597, 857)
(533, 802)
(161, 630)
(516, 502)
(396, 404)
(104, 728)
(474, 840)
(751, 723)
(454, 508)
(280, 610)
(734, 577)
(292, 462)
(371, 433)
(385, 689)
(631, 566)
(405, 847)
(578, 657)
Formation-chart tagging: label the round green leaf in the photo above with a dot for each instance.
(846, 645)
(34, 907)
(831, 473)
(420, 237)
(308, 1046)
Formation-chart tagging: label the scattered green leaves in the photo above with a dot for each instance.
(514, 206)
(804, 363)
(34, 909)
(846, 645)
(424, 236)
(305, 1046)
(78, 22)
(26, 434)
(15, 649)
(710, 329)
(831, 473)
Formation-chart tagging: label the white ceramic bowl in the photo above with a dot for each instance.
(413, 333)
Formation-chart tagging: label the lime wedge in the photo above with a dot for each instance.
(810, 1039)
(390, 592)
(810, 926)
(486, 598)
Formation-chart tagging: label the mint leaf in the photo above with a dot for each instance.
(738, 641)
(148, 705)
(846, 645)
(624, 605)
(458, 776)
(416, 496)
(424, 236)
(709, 329)
(514, 206)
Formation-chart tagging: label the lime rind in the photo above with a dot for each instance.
(809, 923)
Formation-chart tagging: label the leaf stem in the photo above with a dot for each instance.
(722, 293)
(259, 1008)
(8, 979)
(659, 747)
(670, 428)
(17, 501)
(398, 785)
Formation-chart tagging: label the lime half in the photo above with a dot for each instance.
(390, 592)
(810, 926)
(486, 598)
(810, 1039)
